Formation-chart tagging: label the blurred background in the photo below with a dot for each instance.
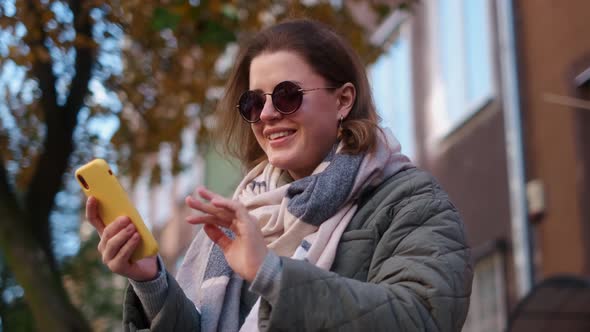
(491, 96)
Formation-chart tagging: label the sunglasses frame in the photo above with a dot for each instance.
(271, 94)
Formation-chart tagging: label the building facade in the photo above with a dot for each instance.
(498, 112)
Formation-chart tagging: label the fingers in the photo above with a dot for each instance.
(227, 204)
(115, 244)
(219, 210)
(202, 206)
(217, 236)
(209, 219)
(211, 196)
(207, 207)
(92, 215)
(111, 230)
(206, 193)
(119, 241)
(121, 261)
(236, 208)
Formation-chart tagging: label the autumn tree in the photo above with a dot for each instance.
(149, 67)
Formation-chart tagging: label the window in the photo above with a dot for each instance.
(487, 311)
(462, 60)
(391, 81)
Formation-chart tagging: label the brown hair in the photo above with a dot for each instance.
(329, 56)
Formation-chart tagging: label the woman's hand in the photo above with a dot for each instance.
(118, 241)
(247, 251)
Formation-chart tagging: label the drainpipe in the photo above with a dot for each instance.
(521, 241)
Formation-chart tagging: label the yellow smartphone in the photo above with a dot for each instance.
(97, 179)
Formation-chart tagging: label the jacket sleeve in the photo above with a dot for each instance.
(177, 314)
(419, 279)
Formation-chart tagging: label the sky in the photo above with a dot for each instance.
(391, 82)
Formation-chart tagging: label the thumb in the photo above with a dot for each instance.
(217, 236)
(92, 215)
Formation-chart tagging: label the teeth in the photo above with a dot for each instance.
(278, 135)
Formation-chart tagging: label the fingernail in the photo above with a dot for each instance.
(130, 228)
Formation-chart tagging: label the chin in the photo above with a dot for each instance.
(282, 163)
(285, 159)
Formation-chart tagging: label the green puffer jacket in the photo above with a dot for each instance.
(401, 265)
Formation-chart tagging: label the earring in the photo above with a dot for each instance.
(340, 126)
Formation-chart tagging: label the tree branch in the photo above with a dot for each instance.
(36, 204)
(42, 68)
(60, 122)
(85, 57)
(6, 191)
(31, 266)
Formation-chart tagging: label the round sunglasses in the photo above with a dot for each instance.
(286, 97)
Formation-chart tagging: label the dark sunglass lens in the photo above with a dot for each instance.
(250, 105)
(287, 97)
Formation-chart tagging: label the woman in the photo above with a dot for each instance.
(331, 229)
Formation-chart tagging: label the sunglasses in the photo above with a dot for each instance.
(286, 98)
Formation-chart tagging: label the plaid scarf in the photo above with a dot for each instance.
(302, 219)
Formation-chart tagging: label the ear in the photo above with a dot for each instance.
(346, 95)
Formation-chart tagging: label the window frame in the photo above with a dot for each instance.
(405, 32)
(443, 105)
(497, 258)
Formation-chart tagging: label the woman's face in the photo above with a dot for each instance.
(296, 142)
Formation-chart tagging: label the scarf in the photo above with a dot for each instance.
(301, 219)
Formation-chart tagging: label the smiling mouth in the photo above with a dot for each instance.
(281, 134)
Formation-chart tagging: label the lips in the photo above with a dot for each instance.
(280, 134)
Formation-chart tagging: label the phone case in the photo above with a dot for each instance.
(97, 179)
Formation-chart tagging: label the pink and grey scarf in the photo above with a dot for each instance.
(302, 219)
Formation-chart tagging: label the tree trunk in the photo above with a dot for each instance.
(44, 291)
(25, 237)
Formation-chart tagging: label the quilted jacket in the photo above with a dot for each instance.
(402, 265)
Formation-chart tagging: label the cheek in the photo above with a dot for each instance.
(258, 135)
(320, 136)
(323, 127)
(257, 131)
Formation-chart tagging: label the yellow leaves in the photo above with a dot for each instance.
(41, 54)
(15, 53)
(180, 9)
(82, 41)
(46, 16)
(5, 153)
(7, 22)
(169, 50)
(26, 172)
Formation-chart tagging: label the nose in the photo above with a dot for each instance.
(269, 113)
